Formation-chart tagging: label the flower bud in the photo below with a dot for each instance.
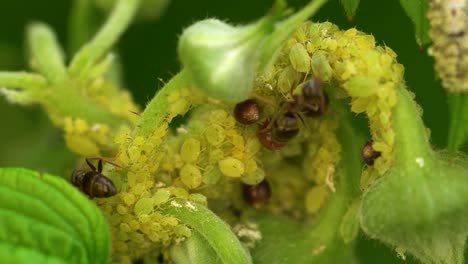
(220, 58)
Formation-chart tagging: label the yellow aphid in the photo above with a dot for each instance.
(252, 146)
(216, 155)
(198, 198)
(161, 196)
(134, 224)
(361, 86)
(350, 33)
(215, 134)
(134, 153)
(316, 198)
(81, 126)
(250, 166)
(254, 178)
(231, 167)
(124, 227)
(286, 79)
(138, 141)
(230, 122)
(184, 231)
(121, 209)
(143, 206)
(349, 227)
(179, 192)
(190, 150)
(269, 74)
(128, 198)
(321, 66)
(299, 58)
(122, 135)
(179, 107)
(238, 141)
(212, 176)
(190, 176)
(218, 116)
(238, 154)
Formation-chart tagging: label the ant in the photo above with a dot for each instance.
(93, 183)
(311, 101)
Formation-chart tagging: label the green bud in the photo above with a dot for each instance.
(421, 205)
(220, 58)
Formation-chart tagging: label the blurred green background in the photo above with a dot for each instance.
(148, 52)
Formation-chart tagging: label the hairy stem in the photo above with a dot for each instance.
(216, 232)
(105, 38)
(156, 111)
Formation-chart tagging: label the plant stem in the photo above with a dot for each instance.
(458, 106)
(216, 232)
(105, 38)
(46, 52)
(22, 80)
(157, 110)
(80, 24)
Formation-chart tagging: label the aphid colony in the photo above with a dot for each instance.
(275, 131)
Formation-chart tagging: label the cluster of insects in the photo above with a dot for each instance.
(92, 182)
(276, 131)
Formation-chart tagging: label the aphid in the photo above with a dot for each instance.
(369, 154)
(314, 101)
(93, 183)
(256, 195)
(247, 112)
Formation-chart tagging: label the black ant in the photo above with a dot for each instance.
(93, 183)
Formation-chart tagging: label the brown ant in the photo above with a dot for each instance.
(257, 195)
(247, 112)
(311, 101)
(369, 154)
(93, 183)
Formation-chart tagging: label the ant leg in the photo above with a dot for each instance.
(300, 117)
(100, 166)
(90, 165)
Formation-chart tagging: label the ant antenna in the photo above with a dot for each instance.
(103, 159)
(90, 165)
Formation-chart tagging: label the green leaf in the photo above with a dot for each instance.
(420, 206)
(417, 10)
(216, 232)
(458, 130)
(350, 7)
(43, 219)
